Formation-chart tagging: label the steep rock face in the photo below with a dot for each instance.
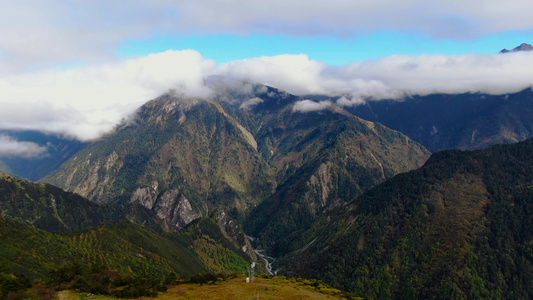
(98, 177)
(171, 206)
(146, 196)
(319, 184)
(175, 209)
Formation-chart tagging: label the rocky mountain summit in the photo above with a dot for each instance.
(522, 47)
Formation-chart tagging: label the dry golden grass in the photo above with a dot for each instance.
(238, 289)
(232, 289)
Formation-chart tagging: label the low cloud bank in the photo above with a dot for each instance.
(389, 77)
(85, 102)
(310, 105)
(250, 103)
(10, 147)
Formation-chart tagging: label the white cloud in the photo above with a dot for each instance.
(250, 102)
(345, 100)
(37, 34)
(440, 18)
(389, 77)
(310, 105)
(10, 147)
(295, 73)
(426, 74)
(86, 102)
(45, 33)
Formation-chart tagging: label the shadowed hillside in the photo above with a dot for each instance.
(459, 227)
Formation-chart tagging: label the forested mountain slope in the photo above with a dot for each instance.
(459, 227)
(44, 230)
(51, 209)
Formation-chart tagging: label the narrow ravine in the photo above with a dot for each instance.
(268, 261)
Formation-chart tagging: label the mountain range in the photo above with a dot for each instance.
(438, 121)
(348, 195)
(185, 158)
(455, 121)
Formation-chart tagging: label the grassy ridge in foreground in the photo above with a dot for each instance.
(264, 288)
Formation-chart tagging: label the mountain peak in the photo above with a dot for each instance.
(522, 47)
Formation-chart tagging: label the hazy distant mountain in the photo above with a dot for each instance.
(459, 227)
(455, 121)
(522, 47)
(185, 158)
(5, 169)
(57, 151)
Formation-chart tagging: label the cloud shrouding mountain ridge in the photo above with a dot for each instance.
(87, 101)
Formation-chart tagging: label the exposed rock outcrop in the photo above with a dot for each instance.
(146, 196)
(175, 209)
(171, 206)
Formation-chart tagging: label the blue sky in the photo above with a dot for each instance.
(44, 34)
(333, 50)
(77, 68)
